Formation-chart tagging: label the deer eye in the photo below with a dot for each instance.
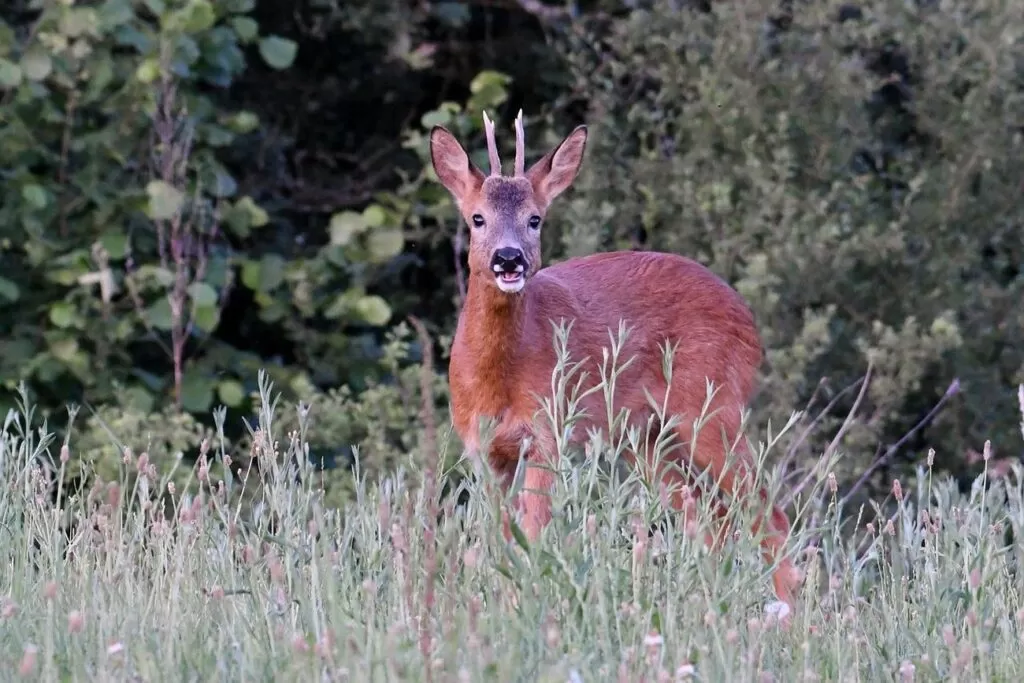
(478, 220)
(534, 222)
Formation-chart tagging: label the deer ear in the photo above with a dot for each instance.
(452, 165)
(555, 171)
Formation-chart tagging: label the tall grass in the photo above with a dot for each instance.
(137, 581)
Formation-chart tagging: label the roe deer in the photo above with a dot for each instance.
(502, 356)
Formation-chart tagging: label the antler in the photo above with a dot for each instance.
(492, 147)
(520, 145)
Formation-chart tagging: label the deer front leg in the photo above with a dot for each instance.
(534, 502)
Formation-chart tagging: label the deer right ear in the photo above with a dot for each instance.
(452, 165)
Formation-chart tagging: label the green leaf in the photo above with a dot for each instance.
(342, 304)
(257, 216)
(10, 74)
(114, 13)
(441, 116)
(64, 349)
(159, 314)
(114, 243)
(231, 392)
(223, 184)
(62, 314)
(385, 243)
(374, 310)
(8, 39)
(36, 63)
(346, 225)
(278, 52)
(251, 274)
(239, 6)
(244, 122)
(137, 398)
(77, 21)
(206, 318)
(271, 272)
(374, 216)
(199, 16)
(196, 391)
(202, 294)
(246, 28)
(488, 79)
(164, 200)
(9, 290)
(35, 196)
(148, 71)
(518, 535)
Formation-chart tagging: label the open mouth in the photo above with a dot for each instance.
(510, 282)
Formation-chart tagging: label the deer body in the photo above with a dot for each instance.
(503, 353)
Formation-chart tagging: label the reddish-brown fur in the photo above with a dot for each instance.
(503, 353)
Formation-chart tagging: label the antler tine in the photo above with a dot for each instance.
(492, 146)
(520, 145)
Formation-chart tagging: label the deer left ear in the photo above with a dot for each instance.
(555, 171)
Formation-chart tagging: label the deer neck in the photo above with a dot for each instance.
(493, 333)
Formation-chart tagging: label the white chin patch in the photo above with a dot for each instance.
(510, 283)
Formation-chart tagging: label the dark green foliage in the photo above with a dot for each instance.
(196, 189)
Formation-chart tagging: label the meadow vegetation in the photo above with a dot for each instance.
(140, 579)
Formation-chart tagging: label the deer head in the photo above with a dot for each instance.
(505, 213)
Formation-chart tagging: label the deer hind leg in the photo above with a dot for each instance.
(737, 481)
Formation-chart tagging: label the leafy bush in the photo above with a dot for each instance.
(855, 171)
(194, 190)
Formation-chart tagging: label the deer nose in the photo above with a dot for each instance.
(508, 260)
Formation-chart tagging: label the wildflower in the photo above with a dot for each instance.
(685, 671)
(76, 622)
(653, 640)
(552, 636)
(776, 611)
(27, 666)
(471, 557)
